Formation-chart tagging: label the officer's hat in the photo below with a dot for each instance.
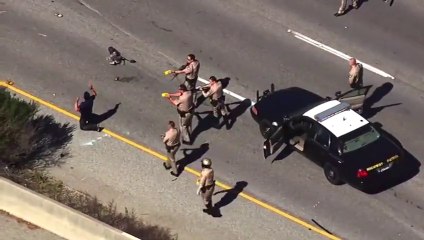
(206, 162)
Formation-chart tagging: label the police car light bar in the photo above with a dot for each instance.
(342, 106)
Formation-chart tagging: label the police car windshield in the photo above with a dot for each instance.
(359, 138)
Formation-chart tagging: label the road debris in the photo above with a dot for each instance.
(58, 15)
(43, 35)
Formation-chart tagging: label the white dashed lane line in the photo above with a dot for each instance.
(318, 45)
(337, 53)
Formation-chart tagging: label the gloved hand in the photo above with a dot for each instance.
(198, 191)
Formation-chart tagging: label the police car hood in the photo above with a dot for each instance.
(383, 150)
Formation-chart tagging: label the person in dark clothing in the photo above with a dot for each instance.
(86, 110)
(115, 56)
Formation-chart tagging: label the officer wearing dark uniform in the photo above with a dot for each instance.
(185, 107)
(86, 110)
(115, 56)
(206, 184)
(214, 91)
(171, 139)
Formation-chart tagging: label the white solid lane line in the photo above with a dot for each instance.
(337, 53)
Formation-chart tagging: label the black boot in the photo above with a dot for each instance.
(208, 208)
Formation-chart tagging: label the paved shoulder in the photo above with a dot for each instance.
(12, 229)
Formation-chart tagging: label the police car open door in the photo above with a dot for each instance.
(354, 97)
(273, 143)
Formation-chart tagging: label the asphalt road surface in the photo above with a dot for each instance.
(246, 41)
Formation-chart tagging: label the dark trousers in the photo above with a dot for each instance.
(190, 83)
(191, 86)
(206, 193)
(87, 126)
(185, 119)
(170, 161)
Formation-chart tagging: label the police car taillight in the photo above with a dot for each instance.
(362, 173)
(254, 110)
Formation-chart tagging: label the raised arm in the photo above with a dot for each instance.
(77, 105)
(93, 90)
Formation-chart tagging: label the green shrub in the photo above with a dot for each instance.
(27, 139)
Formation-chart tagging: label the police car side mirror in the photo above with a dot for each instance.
(377, 125)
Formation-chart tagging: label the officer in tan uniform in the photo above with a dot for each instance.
(183, 99)
(171, 139)
(206, 184)
(191, 71)
(343, 7)
(355, 74)
(214, 91)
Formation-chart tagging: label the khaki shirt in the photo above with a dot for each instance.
(206, 177)
(193, 70)
(354, 74)
(184, 102)
(215, 91)
(172, 137)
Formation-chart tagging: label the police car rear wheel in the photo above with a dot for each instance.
(332, 174)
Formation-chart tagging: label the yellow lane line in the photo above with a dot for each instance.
(36, 99)
(252, 199)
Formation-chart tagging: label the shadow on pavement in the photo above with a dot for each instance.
(235, 113)
(203, 124)
(128, 79)
(229, 197)
(225, 82)
(375, 97)
(191, 155)
(96, 118)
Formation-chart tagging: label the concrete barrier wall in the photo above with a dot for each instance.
(54, 216)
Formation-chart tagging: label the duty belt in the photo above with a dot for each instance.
(185, 112)
(175, 145)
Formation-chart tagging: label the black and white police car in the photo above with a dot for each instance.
(329, 132)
